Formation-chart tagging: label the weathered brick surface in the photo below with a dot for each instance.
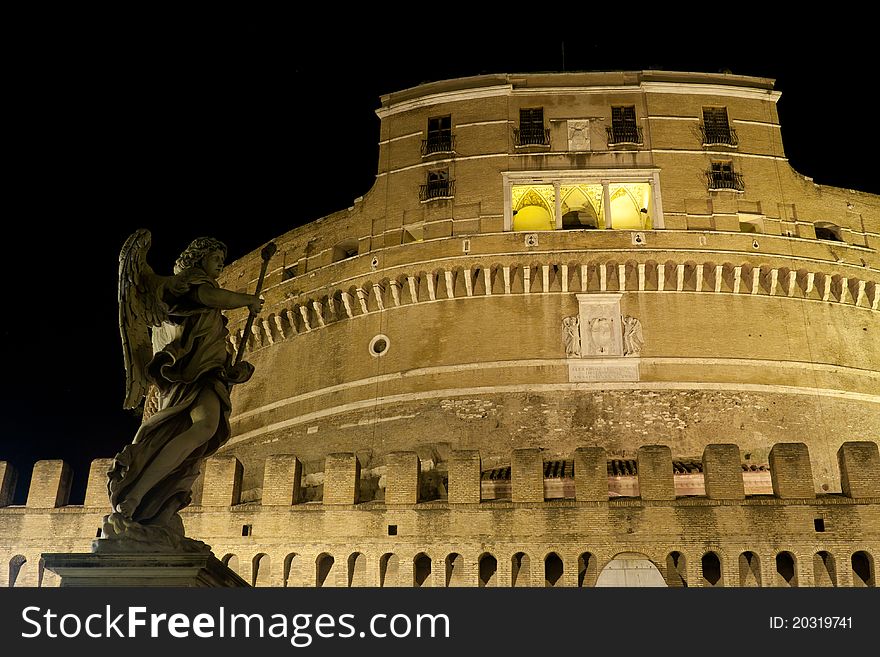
(591, 473)
(281, 480)
(96, 489)
(222, 481)
(50, 484)
(655, 473)
(464, 477)
(722, 472)
(8, 479)
(527, 475)
(403, 473)
(859, 465)
(342, 473)
(791, 471)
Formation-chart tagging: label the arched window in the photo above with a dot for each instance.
(863, 569)
(749, 570)
(676, 570)
(520, 573)
(357, 570)
(323, 569)
(422, 570)
(824, 569)
(262, 570)
(389, 570)
(711, 566)
(786, 569)
(587, 569)
(553, 570)
(231, 562)
(292, 574)
(455, 570)
(488, 567)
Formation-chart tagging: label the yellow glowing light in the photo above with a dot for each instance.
(533, 217)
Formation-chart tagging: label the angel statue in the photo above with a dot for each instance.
(174, 342)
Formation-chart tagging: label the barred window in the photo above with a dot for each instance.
(716, 127)
(722, 176)
(624, 129)
(531, 131)
(439, 136)
(438, 185)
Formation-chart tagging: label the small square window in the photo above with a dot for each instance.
(819, 524)
(247, 530)
(392, 530)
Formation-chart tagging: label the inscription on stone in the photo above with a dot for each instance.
(596, 371)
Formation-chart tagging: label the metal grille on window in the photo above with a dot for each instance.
(716, 128)
(623, 128)
(439, 185)
(531, 131)
(722, 176)
(440, 138)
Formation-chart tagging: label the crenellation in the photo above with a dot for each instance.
(50, 484)
(791, 472)
(341, 481)
(222, 487)
(8, 479)
(655, 473)
(722, 472)
(282, 480)
(97, 495)
(403, 474)
(859, 464)
(527, 475)
(464, 477)
(591, 474)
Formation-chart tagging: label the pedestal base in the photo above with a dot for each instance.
(154, 569)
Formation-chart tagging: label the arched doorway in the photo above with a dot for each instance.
(630, 569)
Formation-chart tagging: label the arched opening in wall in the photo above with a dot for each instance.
(357, 569)
(578, 209)
(711, 567)
(749, 570)
(533, 207)
(455, 570)
(520, 571)
(47, 578)
(786, 570)
(292, 570)
(629, 206)
(533, 217)
(422, 570)
(630, 569)
(587, 569)
(345, 249)
(828, 231)
(863, 569)
(676, 570)
(488, 567)
(323, 569)
(16, 565)
(553, 569)
(262, 570)
(389, 569)
(824, 569)
(231, 562)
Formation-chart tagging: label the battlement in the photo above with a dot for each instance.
(589, 477)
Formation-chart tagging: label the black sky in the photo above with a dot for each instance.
(244, 126)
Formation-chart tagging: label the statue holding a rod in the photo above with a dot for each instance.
(176, 352)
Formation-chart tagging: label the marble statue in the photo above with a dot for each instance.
(571, 336)
(632, 336)
(174, 340)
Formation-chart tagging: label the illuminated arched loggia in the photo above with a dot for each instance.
(575, 200)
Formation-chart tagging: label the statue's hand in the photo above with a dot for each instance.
(240, 373)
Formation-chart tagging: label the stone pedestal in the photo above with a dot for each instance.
(153, 569)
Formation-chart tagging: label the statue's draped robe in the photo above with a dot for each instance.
(190, 355)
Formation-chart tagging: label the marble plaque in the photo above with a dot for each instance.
(585, 371)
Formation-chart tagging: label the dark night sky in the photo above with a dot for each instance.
(244, 126)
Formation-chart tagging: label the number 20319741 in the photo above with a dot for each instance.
(811, 623)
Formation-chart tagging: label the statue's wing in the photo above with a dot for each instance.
(140, 306)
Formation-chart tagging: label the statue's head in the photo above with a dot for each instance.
(197, 250)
